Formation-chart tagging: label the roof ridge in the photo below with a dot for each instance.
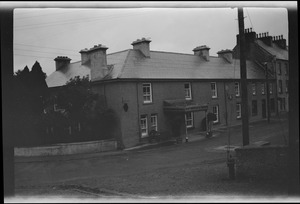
(118, 52)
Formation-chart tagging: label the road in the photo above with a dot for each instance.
(193, 168)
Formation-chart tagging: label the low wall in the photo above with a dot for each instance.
(67, 148)
(263, 162)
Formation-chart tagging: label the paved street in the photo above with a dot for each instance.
(193, 169)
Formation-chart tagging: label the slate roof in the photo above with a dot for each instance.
(274, 49)
(131, 64)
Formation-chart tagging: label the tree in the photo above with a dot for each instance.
(81, 107)
(29, 88)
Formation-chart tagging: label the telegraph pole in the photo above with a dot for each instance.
(242, 42)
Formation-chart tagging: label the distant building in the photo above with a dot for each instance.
(272, 50)
(147, 89)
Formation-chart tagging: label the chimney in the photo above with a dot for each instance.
(142, 45)
(280, 41)
(61, 62)
(266, 38)
(202, 51)
(226, 54)
(250, 36)
(95, 58)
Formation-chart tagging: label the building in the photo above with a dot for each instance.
(273, 51)
(148, 89)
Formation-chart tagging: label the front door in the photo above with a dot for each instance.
(264, 108)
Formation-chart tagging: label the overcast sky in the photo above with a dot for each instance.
(43, 34)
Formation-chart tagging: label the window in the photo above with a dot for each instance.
(144, 126)
(279, 68)
(238, 110)
(286, 69)
(283, 103)
(280, 86)
(263, 88)
(254, 108)
(189, 120)
(287, 86)
(271, 88)
(216, 112)
(154, 122)
(147, 93)
(188, 91)
(253, 89)
(272, 105)
(214, 89)
(237, 88)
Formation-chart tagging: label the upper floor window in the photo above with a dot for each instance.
(253, 89)
(280, 86)
(270, 88)
(188, 91)
(215, 110)
(147, 93)
(263, 88)
(214, 89)
(144, 126)
(287, 86)
(279, 68)
(154, 122)
(189, 119)
(237, 88)
(286, 69)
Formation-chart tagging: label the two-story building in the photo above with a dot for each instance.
(147, 89)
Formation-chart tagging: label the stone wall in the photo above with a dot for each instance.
(263, 162)
(67, 148)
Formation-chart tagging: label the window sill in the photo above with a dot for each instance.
(147, 103)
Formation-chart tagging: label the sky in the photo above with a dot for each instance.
(42, 34)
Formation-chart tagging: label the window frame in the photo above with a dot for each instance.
(191, 119)
(215, 91)
(238, 110)
(279, 68)
(253, 89)
(279, 86)
(237, 87)
(145, 118)
(151, 122)
(146, 94)
(189, 90)
(286, 86)
(217, 115)
(263, 88)
(271, 88)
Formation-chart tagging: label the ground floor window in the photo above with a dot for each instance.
(154, 122)
(254, 108)
(238, 111)
(189, 119)
(216, 112)
(144, 126)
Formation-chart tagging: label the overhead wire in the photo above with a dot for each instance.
(75, 21)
